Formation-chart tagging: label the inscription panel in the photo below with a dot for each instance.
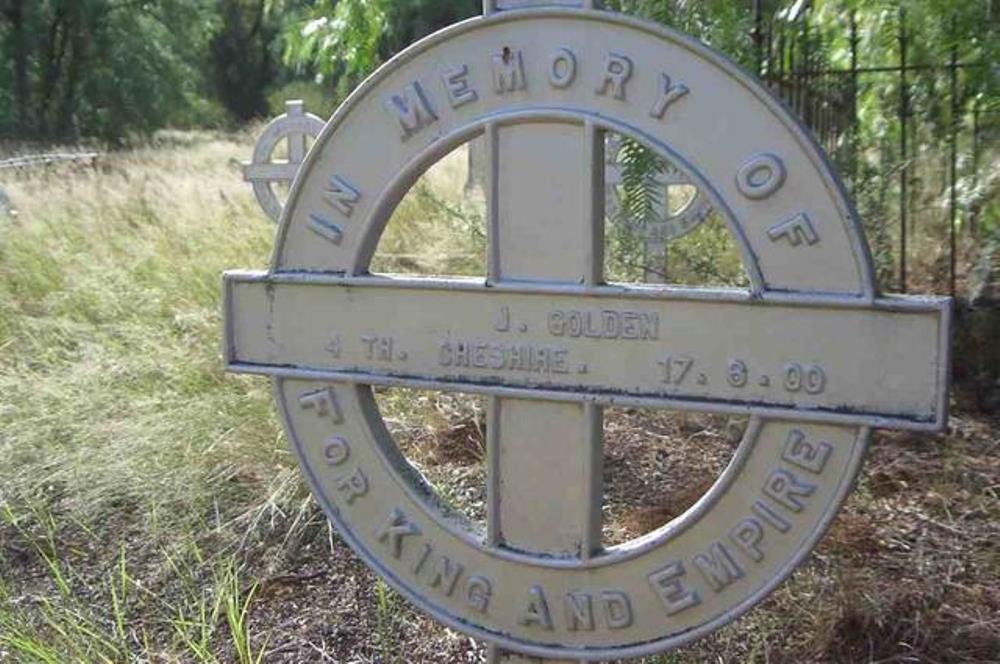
(841, 363)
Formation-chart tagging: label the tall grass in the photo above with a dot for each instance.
(135, 475)
(112, 389)
(116, 418)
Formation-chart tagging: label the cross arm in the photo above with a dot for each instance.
(277, 171)
(833, 360)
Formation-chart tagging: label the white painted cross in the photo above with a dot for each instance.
(296, 127)
(810, 352)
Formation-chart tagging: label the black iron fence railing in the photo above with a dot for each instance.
(919, 165)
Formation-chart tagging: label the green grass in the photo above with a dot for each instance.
(115, 415)
(136, 476)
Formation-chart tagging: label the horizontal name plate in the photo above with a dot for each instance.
(834, 360)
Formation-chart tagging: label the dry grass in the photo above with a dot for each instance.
(150, 512)
(910, 570)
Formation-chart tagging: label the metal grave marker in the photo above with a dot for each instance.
(667, 223)
(811, 352)
(296, 127)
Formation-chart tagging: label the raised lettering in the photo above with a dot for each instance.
(508, 72)
(676, 369)
(562, 68)
(557, 323)
(445, 575)
(718, 567)
(650, 326)
(502, 357)
(411, 109)
(379, 348)
(536, 610)
(324, 402)
(776, 521)
(747, 536)
(797, 230)
(579, 612)
(559, 358)
(502, 323)
(738, 373)
(456, 82)
(669, 95)
(806, 455)
(445, 356)
(617, 609)
(392, 532)
(761, 177)
(669, 586)
(786, 490)
(617, 72)
(424, 557)
(337, 451)
(353, 486)
(631, 325)
(478, 591)
(604, 324)
(326, 229)
(342, 195)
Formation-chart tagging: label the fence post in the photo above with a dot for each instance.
(904, 152)
(781, 60)
(955, 110)
(807, 63)
(855, 125)
(973, 215)
(758, 34)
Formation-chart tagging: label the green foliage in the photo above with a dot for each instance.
(387, 615)
(343, 42)
(99, 68)
(89, 620)
(318, 99)
(723, 24)
(642, 199)
(241, 62)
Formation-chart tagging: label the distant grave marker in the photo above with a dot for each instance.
(811, 352)
(296, 128)
(667, 223)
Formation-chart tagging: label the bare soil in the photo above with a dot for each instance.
(909, 572)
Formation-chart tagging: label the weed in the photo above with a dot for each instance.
(387, 615)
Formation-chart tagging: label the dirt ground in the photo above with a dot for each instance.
(909, 572)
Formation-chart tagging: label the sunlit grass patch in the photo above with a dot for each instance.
(112, 394)
(440, 225)
(109, 281)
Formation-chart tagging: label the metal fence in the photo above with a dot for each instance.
(908, 181)
(40, 160)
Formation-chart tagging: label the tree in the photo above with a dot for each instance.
(242, 58)
(346, 40)
(103, 68)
